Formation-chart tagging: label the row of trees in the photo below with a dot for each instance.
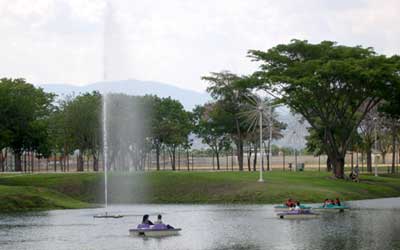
(36, 124)
(349, 97)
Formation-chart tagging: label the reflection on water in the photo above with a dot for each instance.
(211, 227)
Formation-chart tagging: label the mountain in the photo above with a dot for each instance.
(188, 98)
(293, 135)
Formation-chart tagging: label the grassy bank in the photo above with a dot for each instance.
(52, 191)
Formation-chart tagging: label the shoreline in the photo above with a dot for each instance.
(43, 192)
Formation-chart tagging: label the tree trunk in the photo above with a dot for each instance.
(352, 160)
(369, 160)
(55, 162)
(95, 163)
(217, 156)
(188, 159)
(362, 160)
(338, 165)
(24, 161)
(339, 168)
(227, 160)
(393, 149)
(87, 163)
(61, 163)
(158, 156)
(383, 154)
(255, 158)
(239, 147)
(17, 161)
(249, 158)
(179, 158)
(67, 162)
(232, 159)
(213, 161)
(32, 161)
(1, 161)
(172, 155)
(79, 163)
(269, 166)
(163, 159)
(328, 164)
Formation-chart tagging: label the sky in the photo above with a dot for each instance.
(175, 41)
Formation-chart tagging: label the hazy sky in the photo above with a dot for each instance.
(175, 41)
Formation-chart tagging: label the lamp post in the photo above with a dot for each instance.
(260, 109)
(270, 139)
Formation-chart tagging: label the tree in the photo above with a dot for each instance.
(391, 108)
(82, 118)
(368, 133)
(333, 87)
(23, 110)
(225, 89)
(175, 126)
(209, 125)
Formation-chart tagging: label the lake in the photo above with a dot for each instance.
(373, 224)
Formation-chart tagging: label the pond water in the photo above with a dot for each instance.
(214, 227)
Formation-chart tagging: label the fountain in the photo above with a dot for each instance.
(105, 163)
(106, 31)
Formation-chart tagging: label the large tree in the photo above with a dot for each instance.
(210, 122)
(23, 110)
(82, 118)
(224, 88)
(332, 86)
(175, 126)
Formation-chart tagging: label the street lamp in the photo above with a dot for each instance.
(270, 139)
(260, 110)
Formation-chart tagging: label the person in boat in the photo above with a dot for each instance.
(289, 203)
(160, 225)
(337, 202)
(328, 203)
(297, 206)
(146, 223)
(159, 220)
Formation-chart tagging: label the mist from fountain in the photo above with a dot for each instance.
(125, 128)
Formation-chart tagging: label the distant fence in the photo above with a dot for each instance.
(196, 163)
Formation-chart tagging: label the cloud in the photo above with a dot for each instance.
(176, 41)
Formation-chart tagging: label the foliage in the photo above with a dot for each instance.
(209, 124)
(24, 110)
(332, 86)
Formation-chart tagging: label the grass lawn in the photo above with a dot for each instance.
(22, 192)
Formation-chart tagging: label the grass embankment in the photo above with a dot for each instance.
(32, 192)
(53, 191)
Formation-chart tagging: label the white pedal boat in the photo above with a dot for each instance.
(152, 232)
(297, 215)
(283, 208)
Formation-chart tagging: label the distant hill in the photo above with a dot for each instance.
(188, 98)
(293, 135)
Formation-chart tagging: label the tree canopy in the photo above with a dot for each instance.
(332, 86)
